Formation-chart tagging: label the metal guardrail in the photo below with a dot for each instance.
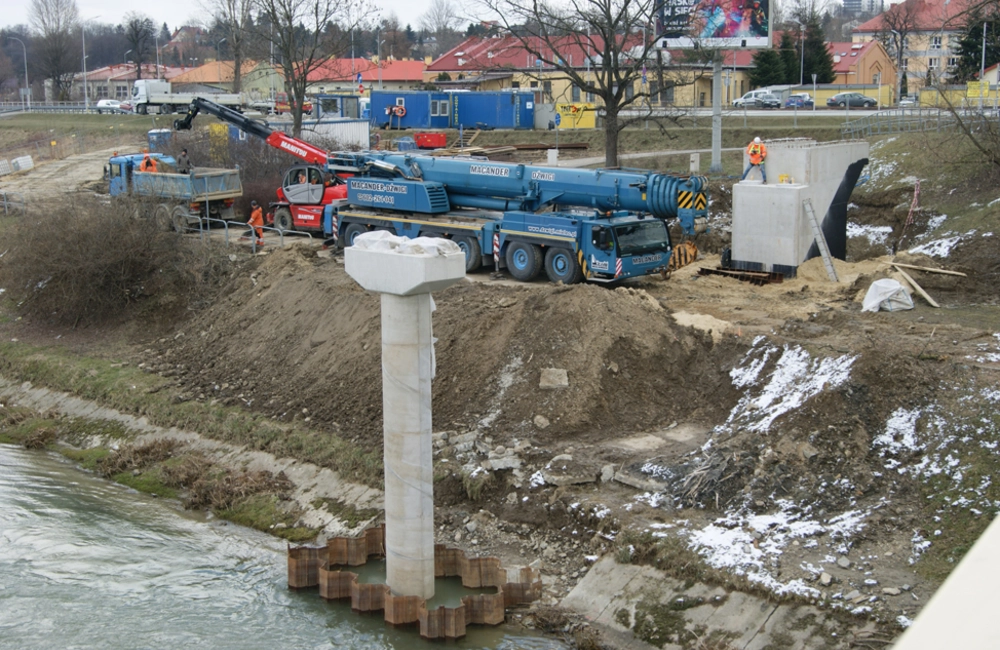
(204, 226)
(918, 118)
(12, 202)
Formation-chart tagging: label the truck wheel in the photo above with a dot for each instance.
(473, 252)
(561, 265)
(524, 261)
(141, 109)
(351, 233)
(179, 219)
(161, 217)
(283, 219)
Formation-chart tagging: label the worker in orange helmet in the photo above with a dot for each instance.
(148, 164)
(757, 152)
(256, 222)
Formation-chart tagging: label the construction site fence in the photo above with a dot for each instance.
(918, 118)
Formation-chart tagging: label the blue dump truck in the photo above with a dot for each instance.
(177, 201)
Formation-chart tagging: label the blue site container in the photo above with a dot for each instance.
(494, 110)
(159, 139)
(439, 110)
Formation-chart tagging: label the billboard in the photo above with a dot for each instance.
(713, 24)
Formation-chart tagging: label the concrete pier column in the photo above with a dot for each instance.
(406, 271)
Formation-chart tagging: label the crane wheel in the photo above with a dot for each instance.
(473, 252)
(350, 233)
(283, 219)
(524, 261)
(561, 265)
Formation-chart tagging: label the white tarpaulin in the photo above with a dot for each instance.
(886, 294)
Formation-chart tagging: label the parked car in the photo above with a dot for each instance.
(125, 107)
(851, 99)
(109, 106)
(802, 100)
(749, 99)
(767, 101)
(907, 102)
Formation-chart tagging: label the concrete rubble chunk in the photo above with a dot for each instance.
(562, 458)
(607, 473)
(853, 595)
(825, 579)
(541, 421)
(891, 591)
(553, 378)
(843, 562)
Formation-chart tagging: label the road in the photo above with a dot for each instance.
(58, 176)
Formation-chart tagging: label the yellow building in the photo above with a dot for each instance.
(933, 29)
(502, 63)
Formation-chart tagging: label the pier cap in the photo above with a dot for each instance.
(386, 263)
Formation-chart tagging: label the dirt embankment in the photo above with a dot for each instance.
(299, 338)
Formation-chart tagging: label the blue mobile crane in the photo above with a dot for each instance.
(578, 224)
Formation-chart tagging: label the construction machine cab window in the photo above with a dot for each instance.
(635, 238)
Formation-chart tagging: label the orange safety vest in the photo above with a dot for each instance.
(257, 217)
(148, 164)
(757, 153)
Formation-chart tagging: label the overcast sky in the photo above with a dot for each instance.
(182, 12)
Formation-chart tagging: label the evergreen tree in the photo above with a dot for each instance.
(970, 50)
(818, 59)
(903, 89)
(790, 57)
(768, 70)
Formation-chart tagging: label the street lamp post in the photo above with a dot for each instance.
(26, 83)
(378, 37)
(83, 34)
(802, 51)
(218, 60)
(157, 42)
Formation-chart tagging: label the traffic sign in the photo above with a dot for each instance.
(358, 77)
(558, 119)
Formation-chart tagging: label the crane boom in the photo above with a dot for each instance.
(294, 146)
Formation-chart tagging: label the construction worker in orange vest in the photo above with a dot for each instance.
(256, 222)
(148, 164)
(757, 153)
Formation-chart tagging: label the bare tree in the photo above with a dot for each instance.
(396, 44)
(305, 33)
(140, 33)
(442, 20)
(898, 23)
(235, 22)
(610, 35)
(55, 49)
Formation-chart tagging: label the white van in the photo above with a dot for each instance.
(748, 99)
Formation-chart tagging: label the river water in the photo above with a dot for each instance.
(85, 563)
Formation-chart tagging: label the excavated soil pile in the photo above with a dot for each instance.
(299, 338)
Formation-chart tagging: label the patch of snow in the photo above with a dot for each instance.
(796, 377)
(900, 433)
(874, 234)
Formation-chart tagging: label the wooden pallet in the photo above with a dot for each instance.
(758, 278)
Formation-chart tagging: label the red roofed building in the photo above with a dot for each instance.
(341, 75)
(933, 29)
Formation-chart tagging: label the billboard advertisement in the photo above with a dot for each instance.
(713, 24)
